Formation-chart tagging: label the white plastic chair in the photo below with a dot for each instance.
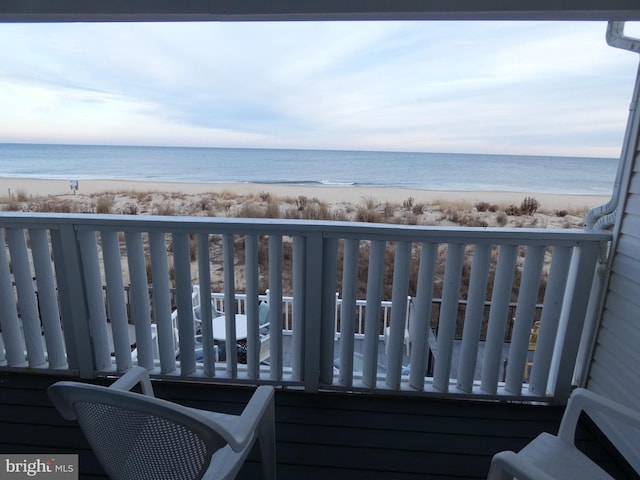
(556, 457)
(137, 436)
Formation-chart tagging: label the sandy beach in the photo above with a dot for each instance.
(330, 194)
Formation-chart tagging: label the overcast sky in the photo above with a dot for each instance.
(485, 87)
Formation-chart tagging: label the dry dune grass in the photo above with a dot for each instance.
(530, 213)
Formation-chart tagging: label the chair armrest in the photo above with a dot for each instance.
(131, 378)
(585, 400)
(516, 466)
(254, 412)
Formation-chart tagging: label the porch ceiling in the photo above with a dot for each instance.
(274, 10)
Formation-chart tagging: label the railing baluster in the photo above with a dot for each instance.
(398, 313)
(186, 331)
(162, 301)
(524, 318)
(448, 316)
(115, 297)
(348, 313)
(473, 316)
(553, 297)
(372, 313)
(140, 297)
(275, 305)
(27, 297)
(95, 298)
(422, 320)
(13, 340)
(47, 298)
(500, 298)
(251, 306)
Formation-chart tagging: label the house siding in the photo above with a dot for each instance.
(323, 435)
(614, 365)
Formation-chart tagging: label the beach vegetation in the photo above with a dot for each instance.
(482, 206)
(250, 210)
(227, 195)
(512, 210)
(561, 213)
(408, 203)
(21, 195)
(193, 247)
(12, 204)
(165, 209)
(529, 206)
(130, 209)
(389, 211)
(273, 209)
(369, 203)
(301, 202)
(418, 209)
(368, 215)
(264, 196)
(55, 205)
(104, 204)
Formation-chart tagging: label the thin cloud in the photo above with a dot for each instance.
(484, 87)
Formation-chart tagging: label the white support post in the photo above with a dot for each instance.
(186, 330)
(72, 295)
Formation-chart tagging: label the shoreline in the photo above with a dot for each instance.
(329, 193)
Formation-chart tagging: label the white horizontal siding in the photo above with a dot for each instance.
(614, 364)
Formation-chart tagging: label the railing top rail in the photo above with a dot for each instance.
(330, 229)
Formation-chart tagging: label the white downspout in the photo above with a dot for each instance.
(603, 217)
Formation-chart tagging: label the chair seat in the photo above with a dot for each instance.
(559, 459)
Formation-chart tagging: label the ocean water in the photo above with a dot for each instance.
(430, 171)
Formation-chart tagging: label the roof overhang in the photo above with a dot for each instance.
(283, 10)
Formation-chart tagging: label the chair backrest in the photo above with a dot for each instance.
(136, 436)
(263, 314)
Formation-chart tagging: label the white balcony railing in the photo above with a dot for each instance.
(56, 313)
